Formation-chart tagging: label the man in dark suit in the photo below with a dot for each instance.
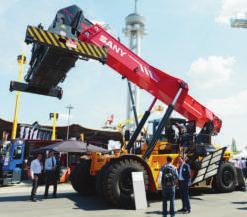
(51, 174)
(184, 177)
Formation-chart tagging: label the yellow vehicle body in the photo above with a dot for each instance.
(155, 161)
(110, 174)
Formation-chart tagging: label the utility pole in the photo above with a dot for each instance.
(69, 107)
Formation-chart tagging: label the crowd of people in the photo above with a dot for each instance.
(242, 164)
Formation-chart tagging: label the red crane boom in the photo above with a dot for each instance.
(158, 83)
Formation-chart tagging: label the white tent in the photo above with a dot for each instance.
(243, 153)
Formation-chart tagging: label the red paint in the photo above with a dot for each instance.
(158, 83)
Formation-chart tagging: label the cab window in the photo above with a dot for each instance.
(17, 152)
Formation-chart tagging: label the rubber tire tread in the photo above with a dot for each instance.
(110, 182)
(218, 183)
(81, 179)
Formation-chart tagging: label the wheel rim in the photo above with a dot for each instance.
(227, 177)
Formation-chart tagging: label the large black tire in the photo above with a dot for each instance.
(81, 179)
(225, 180)
(100, 179)
(74, 178)
(117, 183)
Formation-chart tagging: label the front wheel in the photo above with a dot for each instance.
(81, 179)
(225, 180)
(117, 182)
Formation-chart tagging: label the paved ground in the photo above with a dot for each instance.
(14, 202)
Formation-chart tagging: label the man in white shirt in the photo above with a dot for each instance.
(51, 174)
(35, 169)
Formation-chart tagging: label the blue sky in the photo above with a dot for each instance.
(189, 39)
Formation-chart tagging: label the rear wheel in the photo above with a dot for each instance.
(117, 182)
(100, 179)
(81, 179)
(225, 180)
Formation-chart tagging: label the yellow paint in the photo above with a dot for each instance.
(44, 35)
(52, 38)
(21, 62)
(53, 137)
(82, 137)
(38, 35)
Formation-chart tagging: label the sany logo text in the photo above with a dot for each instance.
(111, 45)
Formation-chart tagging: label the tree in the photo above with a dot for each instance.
(234, 146)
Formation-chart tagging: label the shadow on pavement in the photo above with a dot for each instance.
(87, 203)
(84, 203)
(194, 193)
(241, 203)
(155, 212)
(158, 212)
(15, 198)
(242, 208)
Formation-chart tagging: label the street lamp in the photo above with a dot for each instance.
(69, 107)
(21, 59)
(54, 116)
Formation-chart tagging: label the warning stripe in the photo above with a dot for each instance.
(92, 50)
(31, 33)
(58, 40)
(45, 36)
(88, 50)
(80, 48)
(97, 50)
(37, 34)
(52, 38)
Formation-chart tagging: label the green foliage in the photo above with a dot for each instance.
(234, 147)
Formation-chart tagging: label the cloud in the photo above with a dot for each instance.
(210, 72)
(6, 5)
(201, 6)
(229, 9)
(235, 105)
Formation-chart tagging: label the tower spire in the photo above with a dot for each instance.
(136, 6)
(134, 30)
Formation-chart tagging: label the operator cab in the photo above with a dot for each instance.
(67, 22)
(177, 132)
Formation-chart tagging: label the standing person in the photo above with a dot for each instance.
(246, 168)
(243, 166)
(51, 174)
(167, 179)
(35, 169)
(184, 177)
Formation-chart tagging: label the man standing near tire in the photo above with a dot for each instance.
(51, 174)
(35, 169)
(184, 177)
(167, 179)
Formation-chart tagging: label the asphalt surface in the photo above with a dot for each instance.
(14, 202)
